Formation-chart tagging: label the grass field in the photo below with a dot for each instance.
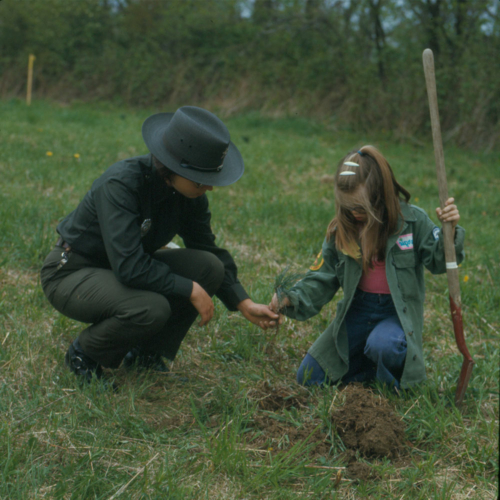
(240, 428)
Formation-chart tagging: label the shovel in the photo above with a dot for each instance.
(448, 234)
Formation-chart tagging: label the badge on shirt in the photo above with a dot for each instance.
(145, 227)
(318, 262)
(405, 241)
(435, 233)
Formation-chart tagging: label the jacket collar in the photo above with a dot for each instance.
(408, 214)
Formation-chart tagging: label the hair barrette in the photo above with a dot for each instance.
(347, 172)
(360, 153)
(351, 164)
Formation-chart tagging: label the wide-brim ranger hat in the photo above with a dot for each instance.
(195, 144)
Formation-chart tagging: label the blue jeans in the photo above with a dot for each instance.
(377, 344)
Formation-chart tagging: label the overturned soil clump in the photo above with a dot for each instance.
(367, 423)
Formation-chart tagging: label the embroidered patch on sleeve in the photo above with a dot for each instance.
(435, 233)
(405, 241)
(318, 262)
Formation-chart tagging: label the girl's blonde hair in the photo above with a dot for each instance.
(370, 189)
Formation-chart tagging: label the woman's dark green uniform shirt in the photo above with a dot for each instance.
(128, 214)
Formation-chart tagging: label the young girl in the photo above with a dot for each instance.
(375, 249)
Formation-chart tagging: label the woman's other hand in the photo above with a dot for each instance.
(203, 303)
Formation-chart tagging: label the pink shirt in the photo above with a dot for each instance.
(375, 280)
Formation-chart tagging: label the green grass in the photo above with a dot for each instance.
(240, 428)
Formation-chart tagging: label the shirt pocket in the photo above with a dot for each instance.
(405, 264)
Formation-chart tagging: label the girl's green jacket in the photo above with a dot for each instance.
(419, 243)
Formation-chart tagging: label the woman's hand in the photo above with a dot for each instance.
(449, 213)
(259, 314)
(203, 303)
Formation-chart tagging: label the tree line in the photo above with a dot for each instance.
(357, 62)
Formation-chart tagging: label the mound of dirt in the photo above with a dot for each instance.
(367, 423)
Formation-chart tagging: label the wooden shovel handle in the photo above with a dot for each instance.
(448, 232)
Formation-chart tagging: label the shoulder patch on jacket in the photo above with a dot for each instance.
(318, 262)
(435, 233)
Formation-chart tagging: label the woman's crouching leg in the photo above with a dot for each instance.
(197, 265)
(138, 319)
(120, 317)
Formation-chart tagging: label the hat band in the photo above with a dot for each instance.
(190, 166)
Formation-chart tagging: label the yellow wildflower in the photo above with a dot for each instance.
(417, 199)
(466, 278)
(49, 153)
(77, 155)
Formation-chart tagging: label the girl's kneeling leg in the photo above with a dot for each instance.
(386, 347)
(311, 373)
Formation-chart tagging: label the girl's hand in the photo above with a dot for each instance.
(275, 306)
(449, 213)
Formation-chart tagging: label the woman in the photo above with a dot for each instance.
(110, 268)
